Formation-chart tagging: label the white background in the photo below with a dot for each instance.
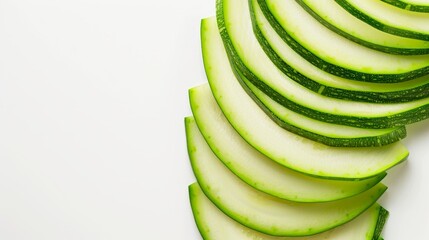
(92, 145)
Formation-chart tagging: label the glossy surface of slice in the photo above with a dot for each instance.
(336, 54)
(245, 52)
(263, 173)
(410, 5)
(284, 147)
(213, 224)
(272, 215)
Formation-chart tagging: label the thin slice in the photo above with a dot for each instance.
(245, 52)
(286, 148)
(334, 17)
(389, 18)
(317, 80)
(410, 5)
(326, 133)
(272, 215)
(213, 224)
(263, 173)
(335, 54)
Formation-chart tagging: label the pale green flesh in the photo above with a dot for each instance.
(335, 49)
(393, 16)
(293, 59)
(272, 215)
(286, 148)
(309, 124)
(263, 173)
(239, 27)
(340, 18)
(213, 224)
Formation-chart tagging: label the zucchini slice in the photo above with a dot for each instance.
(326, 133)
(263, 173)
(235, 26)
(272, 215)
(389, 18)
(335, 54)
(286, 148)
(410, 5)
(324, 83)
(213, 224)
(337, 19)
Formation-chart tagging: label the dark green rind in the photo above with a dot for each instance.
(405, 95)
(381, 221)
(386, 49)
(407, 6)
(374, 141)
(392, 121)
(332, 68)
(379, 25)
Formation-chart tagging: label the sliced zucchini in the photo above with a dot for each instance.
(410, 5)
(389, 18)
(213, 224)
(326, 133)
(263, 173)
(337, 19)
(324, 83)
(272, 215)
(286, 148)
(335, 54)
(245, 52)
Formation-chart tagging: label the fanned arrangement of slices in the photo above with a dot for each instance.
(302, 115)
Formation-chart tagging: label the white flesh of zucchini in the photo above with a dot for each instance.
(337, 50)
(284, 147)
(263, 173)
(213, 224)
(293, 59)
(268, 214)
(337, 16)
(239, 27)
(393, 16)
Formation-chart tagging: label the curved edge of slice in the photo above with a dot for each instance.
(415, 7)
(264, 174)
(327, 133)
(213, 224)
(388, 47)
(326, 63)
(379, 25)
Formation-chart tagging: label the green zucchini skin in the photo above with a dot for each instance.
(370, 141)
(408, 6)
(332, 68)
(396, 120)
(213, 224)
(382, 48)
(379, 25)
(406, 95)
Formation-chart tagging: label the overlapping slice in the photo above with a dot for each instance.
(337, 19)
(336, 54)
(286, 148)
(317, 80)
(214, 224)
(410, 5)
(236, 30)
(261, 172)
(389, 18)
(268, 214)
